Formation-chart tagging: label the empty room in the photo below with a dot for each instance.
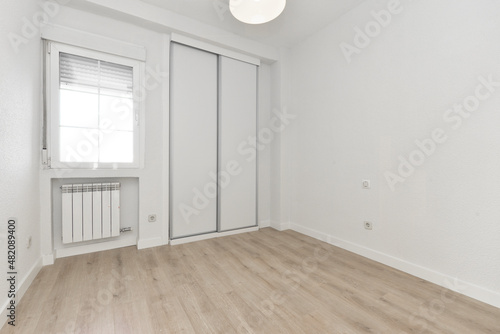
(250, 166)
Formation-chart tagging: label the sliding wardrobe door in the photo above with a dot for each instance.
(193, 141)
(237, 123)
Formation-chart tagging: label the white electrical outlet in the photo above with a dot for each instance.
(28, 242)
(152, 218)
(366, 184)
(368, 225)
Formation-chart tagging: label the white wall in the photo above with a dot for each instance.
(355, 119)
(280, 147)
(264, 158)
(19, 143)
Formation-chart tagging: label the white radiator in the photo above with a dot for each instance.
(90, 211)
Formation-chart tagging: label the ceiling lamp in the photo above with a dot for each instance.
(256, 11)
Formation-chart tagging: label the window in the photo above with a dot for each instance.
(94, 118)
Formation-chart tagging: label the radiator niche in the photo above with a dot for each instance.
(94, 214)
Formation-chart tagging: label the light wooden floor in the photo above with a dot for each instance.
(259, 282)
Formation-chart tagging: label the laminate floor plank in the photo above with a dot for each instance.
(258, 282)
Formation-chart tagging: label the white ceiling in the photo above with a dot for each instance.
(300, 18)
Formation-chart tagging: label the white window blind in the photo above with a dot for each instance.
(76, 71)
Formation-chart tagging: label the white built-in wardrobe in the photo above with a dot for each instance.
(213, 120)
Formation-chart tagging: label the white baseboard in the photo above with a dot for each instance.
(149, 243)
(265, 223)
(280, 226)
(22, 287)
(211, 236)
(28, 279)
(446, 281)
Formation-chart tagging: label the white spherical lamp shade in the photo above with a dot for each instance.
(256, 11)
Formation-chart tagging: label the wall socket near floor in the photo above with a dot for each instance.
(365, 184)
(368, 225)
(152, 218)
